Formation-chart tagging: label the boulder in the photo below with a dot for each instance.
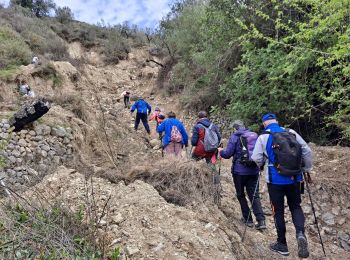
(58, 131)
(29, 112)
(328, 218)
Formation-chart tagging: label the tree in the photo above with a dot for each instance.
(24, 3)
(43, 7)
(64, 14)
(39, 8)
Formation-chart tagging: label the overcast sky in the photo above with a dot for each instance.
(145, 13)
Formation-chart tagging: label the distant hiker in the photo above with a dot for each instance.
(175, 136)
(245, 172)
(157, 116)
(126, 96)
(35, 60)
(288, 156)
(142, 109)
(205, 138)
(25, 90)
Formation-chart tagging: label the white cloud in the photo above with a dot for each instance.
(145, 13)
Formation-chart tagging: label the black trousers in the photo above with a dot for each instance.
(277, 194)
(142, 117)
(126, 101)
(248, 183)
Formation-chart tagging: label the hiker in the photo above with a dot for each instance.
(25, 90)
(143, 108)
(158, 117)
(288, 156)
(175, 136)
(126, 96)
(35, 60)
(245, 172)
(205, 138)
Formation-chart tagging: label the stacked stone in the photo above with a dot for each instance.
(31, 154)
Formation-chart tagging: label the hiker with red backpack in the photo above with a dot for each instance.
(157, 116)
(288, 156)
(205, 139)
(175, 136)
(245, 173)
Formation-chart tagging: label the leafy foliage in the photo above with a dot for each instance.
(64, 14)
(251, 57)
(13, 50)
(40, 8)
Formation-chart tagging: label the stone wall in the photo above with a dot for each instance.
(32, 154)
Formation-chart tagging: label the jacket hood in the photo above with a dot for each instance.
(204, 121)
(241, 131)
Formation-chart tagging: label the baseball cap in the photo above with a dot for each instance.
(268, 117)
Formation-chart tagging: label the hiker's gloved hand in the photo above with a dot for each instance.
(186, 145)
(261, 168)
(308, 177)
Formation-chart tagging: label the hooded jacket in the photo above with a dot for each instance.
(197, 139)
(141, 106)
(234, 150)
(167, 126)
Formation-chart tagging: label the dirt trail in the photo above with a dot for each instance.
(142, 222)
(256, 242)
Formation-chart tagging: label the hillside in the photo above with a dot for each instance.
(83, 183)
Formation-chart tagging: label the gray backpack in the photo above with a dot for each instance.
(211, 139)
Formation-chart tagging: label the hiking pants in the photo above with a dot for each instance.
(142, 117)
(126, 101)
(249, 183)
(277, 194)
(173, 149)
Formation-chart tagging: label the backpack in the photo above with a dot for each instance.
(176, 136)
(211, 139)
(288, 153)
(247, 141)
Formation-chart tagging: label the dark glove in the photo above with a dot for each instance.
(261, 168)
(186, 145)
(307, 177)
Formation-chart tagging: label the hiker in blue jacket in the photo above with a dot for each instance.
(280, 186)
(142, 110)
(244, 177)
(175, 135)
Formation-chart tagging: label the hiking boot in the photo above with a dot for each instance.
(280, 248)
(303, 251)
(249, 222)
(261, 225)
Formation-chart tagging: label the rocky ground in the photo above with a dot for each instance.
(89, 133)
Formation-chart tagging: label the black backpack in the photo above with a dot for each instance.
(288, 153)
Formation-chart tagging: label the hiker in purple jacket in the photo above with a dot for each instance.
(245, 175)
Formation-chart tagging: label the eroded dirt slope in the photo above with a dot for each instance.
(141, 221)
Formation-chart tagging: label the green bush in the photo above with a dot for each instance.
(64, 14)
(115, 48)
(13, 50)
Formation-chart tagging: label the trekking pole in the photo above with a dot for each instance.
(314, 212)
(250, 208)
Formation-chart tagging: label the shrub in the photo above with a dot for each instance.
(47, 71)
(64, 14)
(13, 50)
(116, 48)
